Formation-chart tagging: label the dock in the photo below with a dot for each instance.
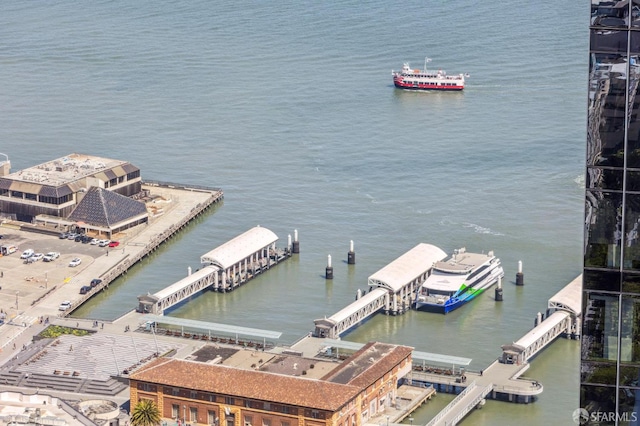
(147, 240)
(501, 380)
(392, 290)
(227, 267)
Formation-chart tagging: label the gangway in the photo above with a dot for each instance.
(351, 315)
(181, 290)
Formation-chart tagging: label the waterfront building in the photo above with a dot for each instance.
(355, 391)
(610, 355)
(53, 189)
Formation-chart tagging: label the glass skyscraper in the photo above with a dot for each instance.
(610, 355)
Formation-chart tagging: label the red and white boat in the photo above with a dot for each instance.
(416, 79)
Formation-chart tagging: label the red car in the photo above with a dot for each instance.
(114, 244)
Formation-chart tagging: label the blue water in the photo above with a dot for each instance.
(290, 108)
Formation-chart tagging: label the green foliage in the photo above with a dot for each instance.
(145, 413)
(54, 331)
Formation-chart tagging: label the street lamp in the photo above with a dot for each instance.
(17, 294)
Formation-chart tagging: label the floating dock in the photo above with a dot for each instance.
(227, 267)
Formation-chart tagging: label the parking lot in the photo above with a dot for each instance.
(23, 282)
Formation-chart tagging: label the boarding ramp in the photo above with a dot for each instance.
(351, 315)
(190, 285)
(466, 401)
(537, 339)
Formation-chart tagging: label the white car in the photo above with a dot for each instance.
(51, 256)
(75, 262)
(37, 256)
(103, 243)
(94, 241)
(27, 254)
(64, 305)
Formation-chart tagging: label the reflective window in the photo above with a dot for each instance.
(601, 178)
(607, 106)
(628, 409)
(603, 229)
(633, 181)
(630, 329)
(598, 399)
(607, 40)
(601, 280)
(600, 327)
(631, 283)
(607, 13)
(632, 232)
(600, 373)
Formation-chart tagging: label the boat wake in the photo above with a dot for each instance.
(481, 229)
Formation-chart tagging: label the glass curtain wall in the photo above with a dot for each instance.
(610, 355)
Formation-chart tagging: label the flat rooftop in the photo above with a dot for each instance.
(68, 169)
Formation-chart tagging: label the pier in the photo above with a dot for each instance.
(501, 379)
(138, 250)
(226, 268)
(392, 290)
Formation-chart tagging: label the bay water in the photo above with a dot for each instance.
(289, 107)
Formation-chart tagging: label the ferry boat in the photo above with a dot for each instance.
(458, 280)
(416, 79)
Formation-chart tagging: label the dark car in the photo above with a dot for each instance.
(95, 282)
(78, 238)
(85, 289)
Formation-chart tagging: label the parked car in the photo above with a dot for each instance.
(63, 235)
(71, 236)
(85, 289)
(64, 305)
(104, 243)
(114, 244)
(75, 262)
(27, 254)
(31, 259)
(51, 256)
(95, 282)
(37, 256)
(94, 241)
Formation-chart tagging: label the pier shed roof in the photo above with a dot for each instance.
(416, 355)
(569, 298)
(407, 267)
(240, 247)
(212, 326)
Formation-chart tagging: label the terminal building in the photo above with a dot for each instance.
(351, 394)
(52, 191)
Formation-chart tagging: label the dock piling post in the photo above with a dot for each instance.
(329, 271)
(499, 290)
(296, 243)
(351, 256)
(519, 275)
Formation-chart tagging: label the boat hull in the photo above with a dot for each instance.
(427, 87)
(449, 305)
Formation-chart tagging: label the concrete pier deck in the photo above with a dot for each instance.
(30, 292)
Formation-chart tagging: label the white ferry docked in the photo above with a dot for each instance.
(457, 280)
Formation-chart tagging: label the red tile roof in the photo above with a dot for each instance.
(258, 385)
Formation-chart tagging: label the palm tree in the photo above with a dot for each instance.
(145, 413)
